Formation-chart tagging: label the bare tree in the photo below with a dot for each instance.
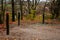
(21, 11)
(13, 14)
(44, 12)
(54, 8)
(1, 14)
(29, 6)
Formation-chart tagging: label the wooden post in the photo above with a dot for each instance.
(7, 23)
(43, 18)
(18, 18)
(1, 21)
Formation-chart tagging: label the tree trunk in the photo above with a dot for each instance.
(44, 13)
(29, 6)
(21, 6)
(1, 14)
(13, 14)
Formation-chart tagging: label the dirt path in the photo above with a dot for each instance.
(34, 32)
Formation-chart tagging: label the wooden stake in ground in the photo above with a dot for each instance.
(7, 23)
(18, 18)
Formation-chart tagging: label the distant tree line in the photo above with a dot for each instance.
(55, 8)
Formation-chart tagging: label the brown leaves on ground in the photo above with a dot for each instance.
(2, 27)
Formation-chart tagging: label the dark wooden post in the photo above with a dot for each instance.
(18, 18)
(43, 21)
(43, 18)
(1, 21)
(7, 23)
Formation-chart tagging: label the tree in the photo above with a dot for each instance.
(1, 14)
(54, 8)
(29, 6)
(21, 6)
(57, 8)
(13, 14)
(44, 12)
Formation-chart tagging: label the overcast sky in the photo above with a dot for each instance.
(43, 0)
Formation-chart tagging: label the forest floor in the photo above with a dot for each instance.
(32, 31)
